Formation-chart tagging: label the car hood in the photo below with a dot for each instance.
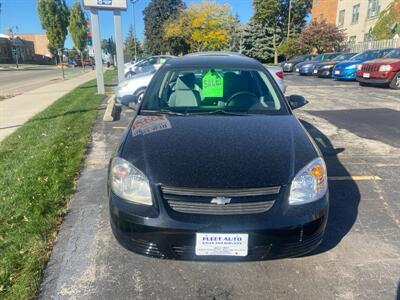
(218, 151)
(326, 63)
(310, 62)
(384, 61)
(348, 63)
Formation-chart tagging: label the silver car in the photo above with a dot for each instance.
(149, 64)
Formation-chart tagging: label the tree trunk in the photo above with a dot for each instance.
(83, 63)
(275, 49)
(62, 65)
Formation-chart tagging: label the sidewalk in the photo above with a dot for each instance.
(15, 111)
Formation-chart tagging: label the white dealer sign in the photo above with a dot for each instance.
(105, 4)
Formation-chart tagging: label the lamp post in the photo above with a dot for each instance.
(14, 48)
(289, 16)
(134, 26)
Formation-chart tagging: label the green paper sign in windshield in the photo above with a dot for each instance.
(213, 85)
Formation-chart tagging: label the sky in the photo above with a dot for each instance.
(23, 13)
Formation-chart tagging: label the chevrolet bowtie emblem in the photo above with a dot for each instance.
(221, 200)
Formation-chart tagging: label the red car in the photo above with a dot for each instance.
(381, 71)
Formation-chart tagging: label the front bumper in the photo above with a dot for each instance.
(161, 232)
(325, 73)
(306, 70)
(380, 81)
(345, 74)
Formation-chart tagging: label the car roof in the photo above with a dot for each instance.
(222, 59)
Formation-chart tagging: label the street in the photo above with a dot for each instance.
(14, 82)
(358, 132)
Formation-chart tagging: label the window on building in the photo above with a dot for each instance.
(373, 8)
(368, 37)
(341, 18)
(352, 39)
(356, 14)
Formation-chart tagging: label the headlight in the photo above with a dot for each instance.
(352, 67)
(129, 183)
(385, 68)
(327, 66)
(310, 184)
(359, 67)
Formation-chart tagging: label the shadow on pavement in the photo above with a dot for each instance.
(344, 195)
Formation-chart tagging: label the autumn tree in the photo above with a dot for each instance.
(78, 28)
(206, 26)
(178, 33)
(54, 17)
(322, 37)
(155, 15)
(388, 24)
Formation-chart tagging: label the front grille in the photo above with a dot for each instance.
(370, 68)
(240, 201)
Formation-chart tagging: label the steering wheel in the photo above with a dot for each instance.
(246, 102)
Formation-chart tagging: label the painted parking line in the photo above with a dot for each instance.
(354, 178)
(117, 127)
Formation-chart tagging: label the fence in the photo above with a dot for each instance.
(381, 44)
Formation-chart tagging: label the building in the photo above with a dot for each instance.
(358, 17)
(24, 50)
(325, 10)
(40, 42)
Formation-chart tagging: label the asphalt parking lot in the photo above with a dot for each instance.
(358, 131)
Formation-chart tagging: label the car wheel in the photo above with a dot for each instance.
(129, 75)
(395, 84)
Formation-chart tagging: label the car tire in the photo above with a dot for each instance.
(129, 75)
(395, 83)
(139, 97)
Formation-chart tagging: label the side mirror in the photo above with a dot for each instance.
(296, 101)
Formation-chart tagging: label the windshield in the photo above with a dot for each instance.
(329, 56)
(367, 55)
(395, 53)
(344, 56)
(213, 90)
(319, 57)
(301, 57)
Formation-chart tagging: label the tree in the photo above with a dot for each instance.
(108, 46)
(321, 36)
(155, 16)
(235, 35)
(388, 24)
(257, 42)
(78, 28)
(177, 34)
(54, 15)
(274, 14)
(203, 26)
(291, 47)
(130, 42)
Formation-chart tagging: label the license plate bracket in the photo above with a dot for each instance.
(222, 244)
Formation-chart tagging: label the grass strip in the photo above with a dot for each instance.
(39, 165)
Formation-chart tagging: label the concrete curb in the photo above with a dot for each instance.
(113, 110)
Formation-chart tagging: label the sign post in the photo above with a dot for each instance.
(116, 6)
(119, 45)
(94, 15)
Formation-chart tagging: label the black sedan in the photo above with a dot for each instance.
(325, 69)
(215, 166)
(289, 65)
(307, 68)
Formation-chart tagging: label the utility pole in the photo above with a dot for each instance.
(289, 16)
(14, 48)
(134, 26)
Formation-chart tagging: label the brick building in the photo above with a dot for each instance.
(40, 42)
(325, 10)
(24, 49)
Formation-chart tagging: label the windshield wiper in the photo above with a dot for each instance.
(220, 112)
(163, 112)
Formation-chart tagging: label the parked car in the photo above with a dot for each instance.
(307, 68)
(289, 65)
(130, 91)
(325, 69)
(382, 71)
(146, 65)
(234, 176)
(347, 69)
